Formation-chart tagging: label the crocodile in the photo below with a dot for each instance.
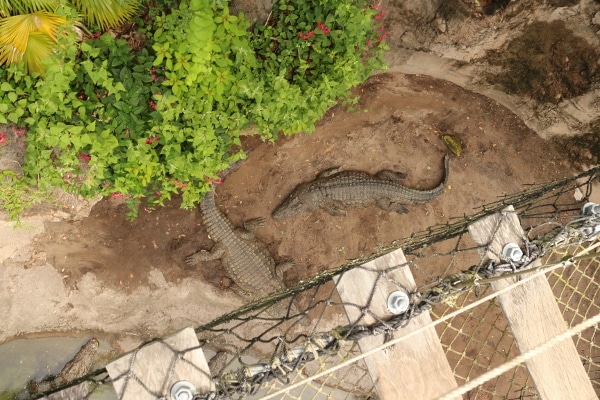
(76, 368)
(336, 192)
(245, 259)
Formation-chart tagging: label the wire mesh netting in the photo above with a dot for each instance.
(323, 347)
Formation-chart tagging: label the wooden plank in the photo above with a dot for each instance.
(534, 316)
(157, 367)
(413, 369)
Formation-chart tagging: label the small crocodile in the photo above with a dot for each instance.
(76, 368)
(245, 259)
(336, 192)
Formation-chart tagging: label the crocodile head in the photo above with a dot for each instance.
(302, 199)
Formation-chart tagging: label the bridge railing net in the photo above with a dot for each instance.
(314, 353)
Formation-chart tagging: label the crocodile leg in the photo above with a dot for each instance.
(249, 227)
(333, 207)
(328, 172)
(281, 268)
(217, 251)
(388, 175)
(390, 205)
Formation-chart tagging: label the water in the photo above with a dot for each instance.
(24, 359)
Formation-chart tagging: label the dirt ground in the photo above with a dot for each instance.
(399, 127)
(103, 274)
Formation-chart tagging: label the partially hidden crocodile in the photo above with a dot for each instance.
(336, 192)
(244, 258)
(76, 368)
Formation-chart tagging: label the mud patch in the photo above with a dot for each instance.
(583, 150)
(547, 62)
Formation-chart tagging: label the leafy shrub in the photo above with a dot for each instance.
(166, 119)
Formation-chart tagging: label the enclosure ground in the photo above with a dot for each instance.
(398, 125)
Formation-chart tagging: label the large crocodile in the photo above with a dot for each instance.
(245, 259)
(76, 368)
(336, 192)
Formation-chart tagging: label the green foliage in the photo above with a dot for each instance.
(16, 195)
(311, 53)
(166, 119)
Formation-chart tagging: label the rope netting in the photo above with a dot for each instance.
(319, 352)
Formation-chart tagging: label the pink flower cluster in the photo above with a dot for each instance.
(217, 181)
(321, 26)
(381, 12)
(383, 33)
(15, 130)
(153, 74)
(180, 184)
(306, 36)
(119, 195)
(152, 139)
(85, 157)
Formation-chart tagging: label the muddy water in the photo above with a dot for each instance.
(24, 359)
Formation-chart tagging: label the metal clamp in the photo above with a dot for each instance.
(183, 390)
(590, 208)
(512, 252)
(398, 302)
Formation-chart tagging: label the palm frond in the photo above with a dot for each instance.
(39, 48)
(30, 35)
(5, 8)
(28, 6)
(107, 13)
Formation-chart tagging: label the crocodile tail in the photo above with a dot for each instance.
(428, 195)
(446, 169)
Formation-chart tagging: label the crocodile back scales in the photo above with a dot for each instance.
(353, 189)
(246, 261)
(359, 189)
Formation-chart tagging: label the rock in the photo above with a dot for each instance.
(422, 10)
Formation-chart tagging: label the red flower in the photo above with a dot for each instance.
(152, 105)
(380, 15)
(19, 131)
(307, 35)
(179, 184)
(383, 36)
(153, 139)
(2, 137)
(119, 195)
(217, 181)
(85, 157)
(323, 28)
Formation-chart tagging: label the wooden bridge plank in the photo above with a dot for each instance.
(151, 371)
(534, 317)
(415, 369)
